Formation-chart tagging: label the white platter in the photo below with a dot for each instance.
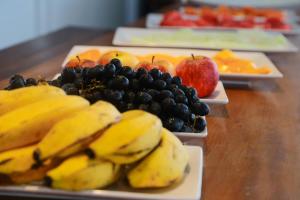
(259, 59)
(125, 36)
(219, 95)
(188, 189)
(153, 21)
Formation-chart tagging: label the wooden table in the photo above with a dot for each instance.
(253, 147)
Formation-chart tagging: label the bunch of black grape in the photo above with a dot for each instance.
(176, 105)
(17, 81)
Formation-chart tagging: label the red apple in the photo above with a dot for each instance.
(199, 72)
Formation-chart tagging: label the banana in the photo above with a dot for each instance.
(29, 124)
(17, 160)
(19, 166)
(13, 99)
(164, 166)
(129, 140)
(81, 173)
(72, 134)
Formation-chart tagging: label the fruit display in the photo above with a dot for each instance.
(235, 11)
(227, 62)
(166, 64)
(91, 148)
(227, 18)
(177, 105)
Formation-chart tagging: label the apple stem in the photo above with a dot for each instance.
(153, 59)
(117, 54)
(78, 58)
(193, 56)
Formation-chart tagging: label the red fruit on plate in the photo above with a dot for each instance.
(199, 72)
(174, 18)
(209, 16)
(172, 15)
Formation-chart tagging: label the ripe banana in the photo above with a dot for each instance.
(74, 133)
(81, 173)
(19, 166)
(10, 100)
(164, 166)
(17, 160)
(129, 140)
(29, 124)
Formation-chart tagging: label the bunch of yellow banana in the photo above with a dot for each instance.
(73, 134)
(76, 146)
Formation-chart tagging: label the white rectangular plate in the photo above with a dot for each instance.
(153, 21)
(188, 189)
(259, 59)
(135, 37)
(219, 95)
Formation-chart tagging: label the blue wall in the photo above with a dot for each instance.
(25, 19)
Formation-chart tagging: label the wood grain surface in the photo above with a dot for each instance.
(252, 151)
